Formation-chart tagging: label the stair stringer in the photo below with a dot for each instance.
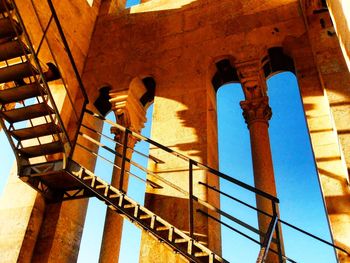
(141, 217)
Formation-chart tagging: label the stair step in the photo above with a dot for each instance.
(17, 72)
(201, 254)
(145, 216)
(101, 186)
(26, 113)
(173, 237)
(6, 29)
(2, 6)
(180, 240)
(20, 93)
(36, 131)
(162, 228)
(12, 49)
(43, 149)
(127, 206)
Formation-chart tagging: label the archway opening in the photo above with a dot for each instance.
(295, 172)
(131, 237)
(235, 160)
(129, 106)
(95, 216)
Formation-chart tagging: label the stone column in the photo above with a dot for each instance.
(113, 228)
(131, 114)
(257, 113)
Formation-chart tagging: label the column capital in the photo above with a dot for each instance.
(119, 137)
(128, 109)
(256, 110)
(250, 76)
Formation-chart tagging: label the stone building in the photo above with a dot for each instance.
(81, 57)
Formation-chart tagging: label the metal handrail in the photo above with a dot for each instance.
(149, 156)
(67, 48)
(185, 158)
(148, 182)
(79, 117)
(273, 199)
(243, 234)
(184, 192)
(279, 220)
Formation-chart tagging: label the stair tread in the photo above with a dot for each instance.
(20, 93)
(2, 6)
(180, 240)
(6, 29)
(174, 238)
(12, 49)
(145, 216)
(16, 72)
(36, 131)
(43, 149)
(201, 254)
(26, 113)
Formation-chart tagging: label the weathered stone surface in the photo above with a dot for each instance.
(178, 44)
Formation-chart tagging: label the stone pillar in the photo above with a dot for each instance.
(113, 228)
(326, 114)
(61, 230)
(131, 114)
(21, 215)
(324, 82)
(257, 113)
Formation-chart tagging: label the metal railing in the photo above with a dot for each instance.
(75, 97)
(272, 234)
(29, 56)
(189, 193)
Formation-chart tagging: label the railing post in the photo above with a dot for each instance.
(190, 197)
(267, 240)
(277, 231)
(122, 169)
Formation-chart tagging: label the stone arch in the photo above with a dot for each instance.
(224, 73)
(276, 61)
(130, 105)
(102, 103)
(148, 97)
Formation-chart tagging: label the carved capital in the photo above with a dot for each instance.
(128, 109)
(119, 137)
(249, 74)
(256, 110)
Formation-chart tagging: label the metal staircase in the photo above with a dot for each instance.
(41, 145)
(43, 149)
(24, 96)
(145, 219)
(28, 112)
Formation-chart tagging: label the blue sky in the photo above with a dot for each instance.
(130, 3)
(296, 177)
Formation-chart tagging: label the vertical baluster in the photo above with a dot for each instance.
(277, 230)
(122, 169)
(190, 197)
